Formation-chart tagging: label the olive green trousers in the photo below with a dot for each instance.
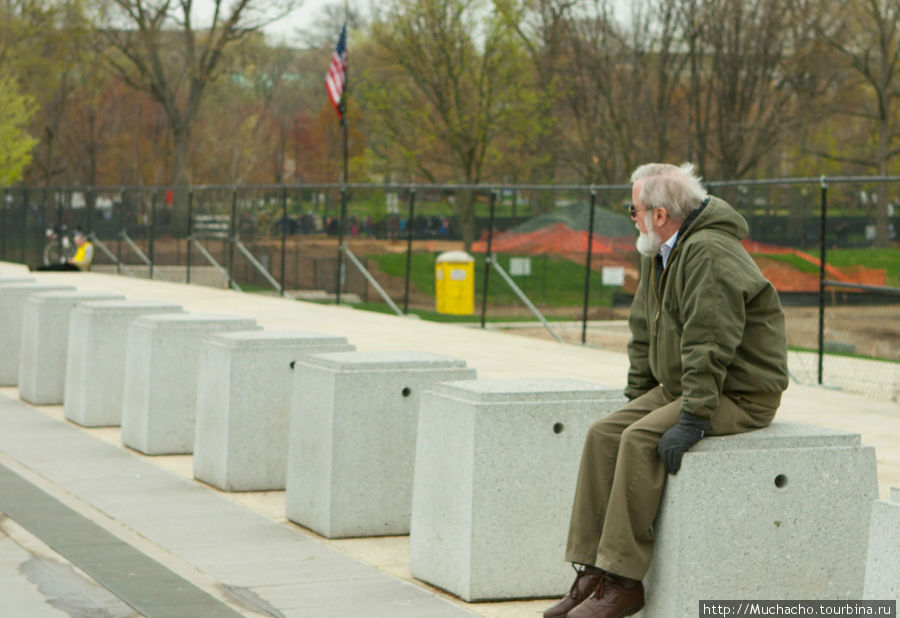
(621, 478)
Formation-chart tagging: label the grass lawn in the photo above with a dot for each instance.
(887, 258)
(555, 282)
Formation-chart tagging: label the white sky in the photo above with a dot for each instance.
(305, 16)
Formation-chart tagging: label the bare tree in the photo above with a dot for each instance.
(866, 36)
(160, 47)
(447, 83)
(752, 79)
(623, 75)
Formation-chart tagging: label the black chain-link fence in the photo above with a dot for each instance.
(563, 265)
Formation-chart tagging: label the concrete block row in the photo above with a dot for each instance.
(353, 436)
(496, 462)
(45, 341)
(244, 405)
(479, 472)
(15, 294)
(95, 358)
(777, 513)
(883, 559)
(160, 385)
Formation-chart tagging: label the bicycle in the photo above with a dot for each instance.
(60, 245)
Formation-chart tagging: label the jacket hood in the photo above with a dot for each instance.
(716, 215)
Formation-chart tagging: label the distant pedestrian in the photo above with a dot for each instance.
(81, 261)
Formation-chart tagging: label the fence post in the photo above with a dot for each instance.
(3, 224)
(284, 220)
(45, 218)
(487, 257)
(190, 235)
(24, 252)
(89, 198)
(822, 238)
(152, 228)
(409, 240)
(120, 224)
(587, 274)
(340, 256)
(232, 237)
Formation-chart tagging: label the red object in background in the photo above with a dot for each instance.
(170, 196)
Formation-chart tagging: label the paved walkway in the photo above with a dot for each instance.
(236, 552)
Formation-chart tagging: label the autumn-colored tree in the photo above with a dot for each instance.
(15, 143)
(541, 25)
(40, 42)
(162, 48)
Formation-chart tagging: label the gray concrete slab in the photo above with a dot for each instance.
(141, 582)
(213, 534)
(40, 583)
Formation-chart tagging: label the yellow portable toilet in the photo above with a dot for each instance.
(454, 283)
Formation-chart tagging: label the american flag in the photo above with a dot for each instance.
(336, 79)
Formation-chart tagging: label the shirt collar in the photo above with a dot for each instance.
(666, 249)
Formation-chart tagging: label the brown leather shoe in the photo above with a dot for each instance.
(586, 580)
(615, 597)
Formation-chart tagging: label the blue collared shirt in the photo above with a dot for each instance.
(666, 249)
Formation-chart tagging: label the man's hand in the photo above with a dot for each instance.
(679, 439)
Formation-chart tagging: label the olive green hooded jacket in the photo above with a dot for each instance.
(713, 324)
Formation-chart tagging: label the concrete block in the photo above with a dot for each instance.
(777, 513)
(883, 559)
(244, 404)
(496, 462)
(12, 307)
(45, 340)
(95, 358)
(353, 435)
(161, 368)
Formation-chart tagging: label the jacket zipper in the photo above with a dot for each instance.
(659, 305)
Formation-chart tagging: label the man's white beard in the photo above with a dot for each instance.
(648, 244)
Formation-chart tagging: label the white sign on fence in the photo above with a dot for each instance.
(520, 266)
(614, 275)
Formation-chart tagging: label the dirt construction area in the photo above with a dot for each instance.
(871, 331)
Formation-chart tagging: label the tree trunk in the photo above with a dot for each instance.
(180, 175)
(882, 222)
(466, 209)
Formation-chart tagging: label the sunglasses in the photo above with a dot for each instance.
(634, 211)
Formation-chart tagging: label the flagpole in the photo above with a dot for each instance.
(343, 223)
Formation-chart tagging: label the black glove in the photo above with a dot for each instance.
(679, 439)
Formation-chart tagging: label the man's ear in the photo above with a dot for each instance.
(660, 216)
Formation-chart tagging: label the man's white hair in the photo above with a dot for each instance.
(676, 188)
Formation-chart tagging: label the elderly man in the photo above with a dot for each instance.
(707, 357)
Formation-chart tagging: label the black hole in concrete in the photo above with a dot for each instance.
(406, 391)
(558, 427)
(780, 481)
(292, 364)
